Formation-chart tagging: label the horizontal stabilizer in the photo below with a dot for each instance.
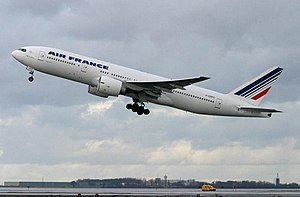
(259, 109)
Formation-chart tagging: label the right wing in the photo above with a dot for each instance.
(155, 88)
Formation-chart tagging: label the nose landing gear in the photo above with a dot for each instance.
(139, 109)
(30, 78)
(31, 71)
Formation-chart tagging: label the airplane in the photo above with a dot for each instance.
(106, 79)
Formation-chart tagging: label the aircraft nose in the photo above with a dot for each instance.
(18, 55)
(14, 54)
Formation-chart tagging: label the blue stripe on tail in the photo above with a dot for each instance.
(252, 87)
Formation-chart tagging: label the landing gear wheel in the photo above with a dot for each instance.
(138, 107)
(140, 110)
(129, 106)
(146, 111)
(30, 78)
(135, 107)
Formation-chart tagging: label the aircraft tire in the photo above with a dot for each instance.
(129, 106)
(30, 79)
(135, 107)
(146, 111)
(140, 110)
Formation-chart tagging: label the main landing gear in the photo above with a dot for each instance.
(139, 109)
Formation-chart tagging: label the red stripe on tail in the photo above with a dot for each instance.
(262, 93)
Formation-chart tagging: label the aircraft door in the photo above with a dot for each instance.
(41, 56)
(218, 103)
(84, 68)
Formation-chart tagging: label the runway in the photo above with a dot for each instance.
(30, 192)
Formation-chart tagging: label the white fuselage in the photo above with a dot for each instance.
(87, 70)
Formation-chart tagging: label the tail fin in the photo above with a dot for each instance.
(254, 90)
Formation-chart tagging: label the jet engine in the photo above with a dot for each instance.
(106, 87)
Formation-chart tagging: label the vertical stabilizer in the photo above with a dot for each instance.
(254, 90)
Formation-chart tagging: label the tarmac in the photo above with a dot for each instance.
(52, 192)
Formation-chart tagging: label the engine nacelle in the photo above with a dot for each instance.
(106, 87)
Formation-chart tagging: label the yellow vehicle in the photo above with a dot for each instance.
(207, 188)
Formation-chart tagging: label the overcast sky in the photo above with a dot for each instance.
(53, 128)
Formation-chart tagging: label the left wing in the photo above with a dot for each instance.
(155, 88)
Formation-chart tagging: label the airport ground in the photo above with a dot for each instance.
(53, 192)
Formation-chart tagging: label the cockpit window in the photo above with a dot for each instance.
(21, 49)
